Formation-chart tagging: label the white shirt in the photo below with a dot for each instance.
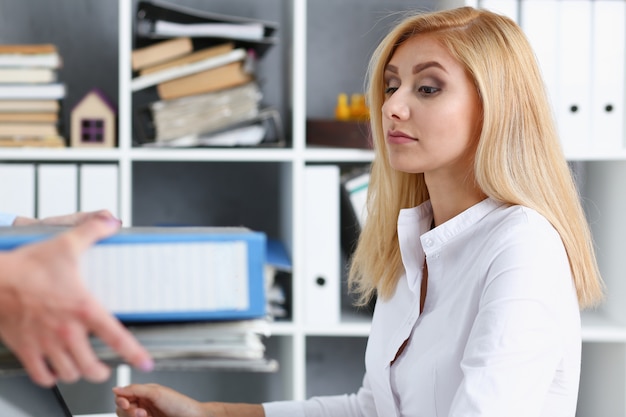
(499, 334)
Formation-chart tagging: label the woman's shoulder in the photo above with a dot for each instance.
(523, 224)
(515, 214)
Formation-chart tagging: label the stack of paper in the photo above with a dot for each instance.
(201, 67)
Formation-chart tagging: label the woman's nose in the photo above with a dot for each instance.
(395, 107)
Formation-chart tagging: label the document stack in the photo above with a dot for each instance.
(30, 95)
(194, 296)
(194, 75)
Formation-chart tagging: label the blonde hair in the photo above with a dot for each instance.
(518, 160)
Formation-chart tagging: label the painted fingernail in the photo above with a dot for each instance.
(147, 365)
(112, 221)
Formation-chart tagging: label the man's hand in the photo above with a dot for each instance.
(72, 219)
(47, 313)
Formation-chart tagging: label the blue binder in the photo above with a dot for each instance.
(163, 274)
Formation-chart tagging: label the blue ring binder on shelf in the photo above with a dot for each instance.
(167, 274)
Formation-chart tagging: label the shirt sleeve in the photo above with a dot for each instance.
(360, 404)
(7, 219)
(327, 406)
(528, 321)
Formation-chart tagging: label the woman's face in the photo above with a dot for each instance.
(431, 114)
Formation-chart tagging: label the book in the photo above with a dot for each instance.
(190, 58)
(161, 19)
(32, 142)
(51, 91)
(27, 75)
(28, 49)
(28, 129)
(168, 274)
(28, 106)
(225, 76)
(204, 113)
(47, 117)
(177, 72)
(52, 61)
(160, 52)
(43, 56)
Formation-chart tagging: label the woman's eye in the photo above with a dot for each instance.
(390, 90)
(425, 90)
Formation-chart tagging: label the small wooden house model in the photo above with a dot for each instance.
(93, 121)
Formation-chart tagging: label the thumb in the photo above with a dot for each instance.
(92, 230)
(135, 391)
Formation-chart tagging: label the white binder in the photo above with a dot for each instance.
(608, 72)
(509, 8)
(17, 189)
(538, 21)
(574, 94)
(322, 245)
(57, 189)
(99, 188)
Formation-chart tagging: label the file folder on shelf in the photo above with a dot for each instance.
(57, 189)
(537, 19)
(99, 187)
(161, 274)
(574, 92)
(17, 188)
(322, 245)
(509, 8)
(608, 68)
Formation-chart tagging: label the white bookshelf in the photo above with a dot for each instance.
(302, 349)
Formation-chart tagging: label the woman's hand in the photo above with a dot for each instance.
(152, 400)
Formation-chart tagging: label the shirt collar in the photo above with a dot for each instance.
(416, 240)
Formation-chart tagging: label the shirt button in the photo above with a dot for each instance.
(428, 243)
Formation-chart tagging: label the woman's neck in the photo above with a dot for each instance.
(448, 199)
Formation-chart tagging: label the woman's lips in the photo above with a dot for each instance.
(397, 137)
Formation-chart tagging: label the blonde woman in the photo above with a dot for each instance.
(476, 244)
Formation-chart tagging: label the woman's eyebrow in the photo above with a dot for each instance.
(391, 68)
(422, 66)
(417, 67)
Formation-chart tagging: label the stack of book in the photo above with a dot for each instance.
(30, 96)
(201, 68)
